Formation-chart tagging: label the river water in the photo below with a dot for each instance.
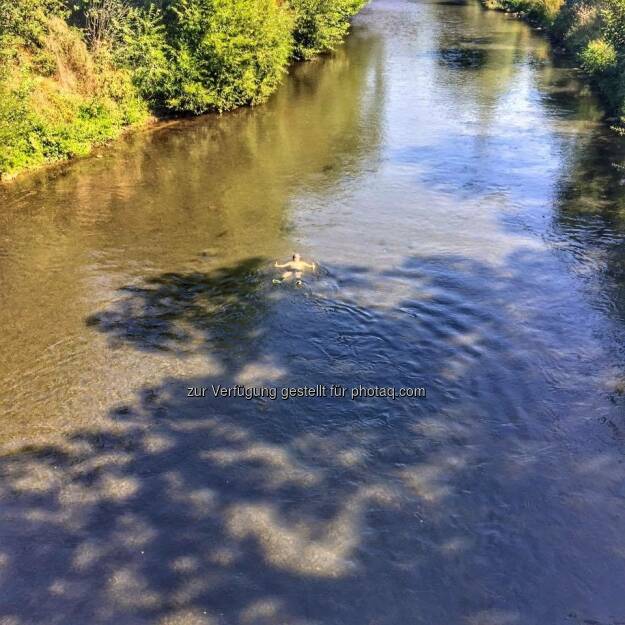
(465, 205)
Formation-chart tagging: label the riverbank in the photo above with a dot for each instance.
(593, 32)
(71, 79)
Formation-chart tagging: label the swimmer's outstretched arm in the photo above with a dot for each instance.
(311, 265)
(281, 266)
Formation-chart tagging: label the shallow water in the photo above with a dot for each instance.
(466, 207)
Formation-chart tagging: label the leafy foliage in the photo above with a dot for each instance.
(321, 25)
(147, 54)
(613, 17)
(226, 54)
(57, 99)
(24, 21)
(598, 56)
(67, 126)
(104, 20)
(75, 74)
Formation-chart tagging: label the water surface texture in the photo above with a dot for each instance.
(466, 207)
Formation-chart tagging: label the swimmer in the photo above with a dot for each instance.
(295, 268)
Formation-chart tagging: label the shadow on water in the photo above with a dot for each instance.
(226, 510)
(463, 58)
(590, 218)
(176, 311)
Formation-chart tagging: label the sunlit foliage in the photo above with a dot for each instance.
(73, 74)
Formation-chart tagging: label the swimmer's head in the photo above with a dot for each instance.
(296, 257)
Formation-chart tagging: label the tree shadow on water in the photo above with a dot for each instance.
(204, 510)
(187, 311)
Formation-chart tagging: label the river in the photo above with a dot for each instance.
(465, 205)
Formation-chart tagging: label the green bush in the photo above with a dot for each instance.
(27, 19)
(209, 54)
(613, 17)
(43, 120)
(321, 25)
(146, 52)
(107, 22)
(68, 125)
(598, 57)
(596, 32)
(219, 54)
(226, 54)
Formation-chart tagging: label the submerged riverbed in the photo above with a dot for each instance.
(466, 207)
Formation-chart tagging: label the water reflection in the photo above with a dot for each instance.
(589, 223)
